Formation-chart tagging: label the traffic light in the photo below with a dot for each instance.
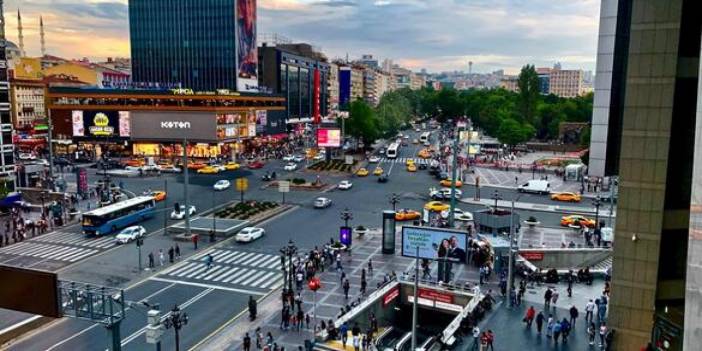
(176, 206)
(139, 242)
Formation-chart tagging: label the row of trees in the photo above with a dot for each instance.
(512, 117)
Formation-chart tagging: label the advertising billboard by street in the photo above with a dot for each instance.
(173, 126)
(101, 124)
(247, 53)
(30, 291)
(344, 87)
(328, 137)
(434, 243)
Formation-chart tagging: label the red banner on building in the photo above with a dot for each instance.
(391, 295)
(316, 93)
(435, 295)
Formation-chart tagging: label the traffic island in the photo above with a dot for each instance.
(335, 165)
(301, 184)
(245, 210)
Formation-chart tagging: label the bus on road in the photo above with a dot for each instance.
(424, 137)
(392, 150)
(107, 220)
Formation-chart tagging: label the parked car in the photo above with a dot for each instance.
(181, 214)
(288, 158)
(344, 185)
(322, 202)
(536, 186)
(298, 158)
(222, 184)
(130, 234)
(249, 234)
(255, 165)
(290, 167)
(374, 159)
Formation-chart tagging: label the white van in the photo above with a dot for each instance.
(535, 186)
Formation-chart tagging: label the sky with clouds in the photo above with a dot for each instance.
(433, 34)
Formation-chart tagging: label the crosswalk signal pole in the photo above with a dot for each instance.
(139, 244)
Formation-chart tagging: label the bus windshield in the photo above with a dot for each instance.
(392, 150)
(424, 137)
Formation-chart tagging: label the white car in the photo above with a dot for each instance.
(288, 158)
(426, 143)
(171, 169)
(444, 194)
(381, 151)
(181, 214)
(322, 202)
(222, 185)
(319, 157)
(290, 167)
(374, 159)
(298, 158)
(26, 156)
(130, 234)
(344, 185)
(458, 215)
(249, 234)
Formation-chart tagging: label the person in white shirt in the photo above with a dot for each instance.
(589, 309)
(476, 338)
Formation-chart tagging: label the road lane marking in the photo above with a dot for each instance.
(209, 286)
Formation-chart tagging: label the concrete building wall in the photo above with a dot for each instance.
(603, 87)
(566, 83)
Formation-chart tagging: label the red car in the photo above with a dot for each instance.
(255, 165)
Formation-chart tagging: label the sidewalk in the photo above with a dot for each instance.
(590, 211)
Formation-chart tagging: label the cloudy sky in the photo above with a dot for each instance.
(433, 34)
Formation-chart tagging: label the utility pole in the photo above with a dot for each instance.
(416, 300)
(346, 216)
(597, 202)
(186, 181)
(165, 205)
(288, 251)
(49, 140)
(176, 320)
(139, 244)
(510, 263)
(454, 165)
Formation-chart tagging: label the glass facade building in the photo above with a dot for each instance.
(186, 43)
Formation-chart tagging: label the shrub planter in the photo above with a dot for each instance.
(244, 210)
(336, 247)
(532, 222)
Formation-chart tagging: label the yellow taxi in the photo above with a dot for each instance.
(407, 215)
(362, 172)
(232, 166)
(159, 195)
(577, 220)
(436, 206)
(447, 183)
(208, 170)
(424, 153)
(409, 161)
(411, 167)
(569, 197)
(378, 171)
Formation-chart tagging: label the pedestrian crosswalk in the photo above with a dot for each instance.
(416, 160)
(241, 269)
(49, 251)
(73, 238)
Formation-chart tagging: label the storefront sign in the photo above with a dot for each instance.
(435, 295)
(242, 184)
(391, 295)
(284, 186)
(101, 124)
(82, 180)
(262, 117)
(328, 137)
(174, 126)
(316, 96)
(252, 130)
(532, 255)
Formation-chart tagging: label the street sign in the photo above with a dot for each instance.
(242, 184)
(284, 186)
(349, 160)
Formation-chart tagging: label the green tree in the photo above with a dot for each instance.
(528, 84)
(393, 111)
(510, 132)
(362, 122)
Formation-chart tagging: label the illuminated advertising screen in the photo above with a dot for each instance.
(247, 53)
(328, 137)
(434, 243)
(101, 124)
(167, 125)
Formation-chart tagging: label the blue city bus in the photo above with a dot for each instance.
(107, 220)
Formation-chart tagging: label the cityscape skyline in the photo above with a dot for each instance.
(356, 28)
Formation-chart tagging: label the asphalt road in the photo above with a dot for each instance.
(211, 299)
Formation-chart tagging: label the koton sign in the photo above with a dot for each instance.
(175, 125)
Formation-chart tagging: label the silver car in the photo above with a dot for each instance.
(322, 202)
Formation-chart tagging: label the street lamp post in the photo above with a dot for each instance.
(510, 263)
(346, 216)
(496, 196)
(288, 251)
(597, 202)
(176, 320)
(394, 200)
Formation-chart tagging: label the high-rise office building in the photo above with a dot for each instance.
(657, 279)
(566, 82)
(7, 160)
(195, 44)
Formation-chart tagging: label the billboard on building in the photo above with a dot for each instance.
(173, 126)
(100, 124)
(317, 115)
(434, 243)
(246, 51)
(344, 87)
(328, 137)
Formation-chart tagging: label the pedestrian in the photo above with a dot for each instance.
(565, 329)
(344, 330)
(208, 261)
(539, 322)
(300, 319)
(346, 287)
(589, 308)
(356, 335)
(547, 298)
(247, 342)
(151, 259)
(177, 251)
(161, 257)
(573, 315)
(490, 340)
(476, 338)
(556, 331)
(259, 338)
(591, 331)
(549, 326)
(269, 340)
(370, 266)
(529, 317)
(554, 298)
(171, 254)
(603, 333)
(195, 239)
(307, 320)
(609, 338)
(363, 287)
(601, 310)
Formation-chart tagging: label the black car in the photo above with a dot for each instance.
(108, 164)
(441, 176)
(422, 166)
(383, 179)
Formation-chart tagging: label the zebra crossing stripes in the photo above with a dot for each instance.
(245, 259)
(49, 251)
(69, 238)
